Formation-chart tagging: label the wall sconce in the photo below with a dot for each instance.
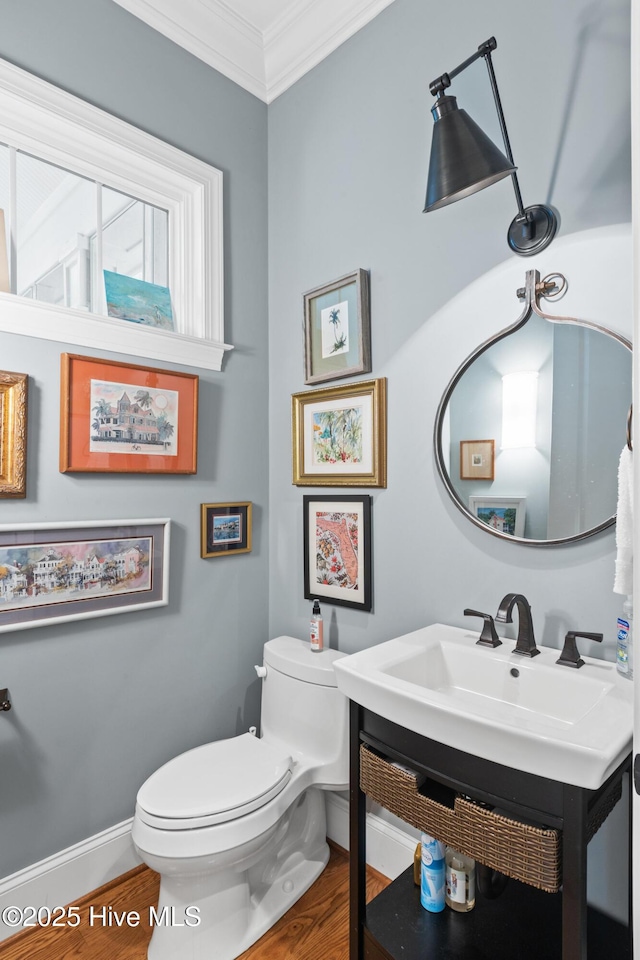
(464, 160)
(519, 409)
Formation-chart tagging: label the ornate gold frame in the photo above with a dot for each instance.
(374, 473)
(13, 434)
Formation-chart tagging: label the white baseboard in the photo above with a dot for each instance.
(67, 876)
(71, 874)
(389, 849)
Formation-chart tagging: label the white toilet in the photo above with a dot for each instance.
(237, 828)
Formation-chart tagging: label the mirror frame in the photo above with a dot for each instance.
(534, 289)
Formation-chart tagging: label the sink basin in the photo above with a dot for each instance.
(570, 725)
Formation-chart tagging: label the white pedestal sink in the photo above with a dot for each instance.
(570, 725)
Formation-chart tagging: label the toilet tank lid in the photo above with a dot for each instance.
(295, 658)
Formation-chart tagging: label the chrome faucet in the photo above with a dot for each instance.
(525, 643)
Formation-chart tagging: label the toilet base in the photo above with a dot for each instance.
(205, 913)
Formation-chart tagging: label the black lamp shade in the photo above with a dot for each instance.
(463, 158)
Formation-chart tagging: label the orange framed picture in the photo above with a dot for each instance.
(124, 418)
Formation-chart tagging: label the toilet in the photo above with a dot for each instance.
(237, 828)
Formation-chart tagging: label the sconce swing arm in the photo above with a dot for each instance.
(534, 227)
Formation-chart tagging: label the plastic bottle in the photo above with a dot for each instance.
(460, 873)
(432, 874)
(316, 628)
(624, 650)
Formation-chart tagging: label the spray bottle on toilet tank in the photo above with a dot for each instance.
(316, 628)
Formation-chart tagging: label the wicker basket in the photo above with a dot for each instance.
(519, 850)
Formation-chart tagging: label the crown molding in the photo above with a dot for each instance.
(307, 32)
(211, 31)
(265, 64)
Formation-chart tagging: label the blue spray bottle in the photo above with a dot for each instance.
(432, 876)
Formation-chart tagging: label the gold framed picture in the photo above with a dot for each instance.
(225, 528)
(13, 434)
(477, 459)
(339, 435)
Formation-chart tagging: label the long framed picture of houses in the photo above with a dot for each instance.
(57, 572)
(125, 418)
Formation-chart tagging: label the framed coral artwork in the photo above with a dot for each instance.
(125, 418)
(337, 550)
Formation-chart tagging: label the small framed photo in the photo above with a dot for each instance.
(477, 459)
(337, 329)
(57, 572)
(13, 434)
(339, 435)
(225, 528)
(124, 418)
(505, 515)
(337, 550)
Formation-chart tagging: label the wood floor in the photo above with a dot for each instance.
(316, 927)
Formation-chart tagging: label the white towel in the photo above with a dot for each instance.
(623, 580)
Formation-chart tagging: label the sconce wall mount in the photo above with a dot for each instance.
(464, 160)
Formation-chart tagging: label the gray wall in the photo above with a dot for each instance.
(98, 705)
(348, 157)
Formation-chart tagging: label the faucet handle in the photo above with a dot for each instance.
(488, 636)
(570, 656)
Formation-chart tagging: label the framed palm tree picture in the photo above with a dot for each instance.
(337, 329)
(124, 418)
(339, 435)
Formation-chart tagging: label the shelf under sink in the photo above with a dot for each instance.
(524, 922)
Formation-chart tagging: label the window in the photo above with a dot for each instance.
(84, 192)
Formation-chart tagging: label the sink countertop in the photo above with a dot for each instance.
(573, 726)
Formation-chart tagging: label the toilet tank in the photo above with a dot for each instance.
(302, 707)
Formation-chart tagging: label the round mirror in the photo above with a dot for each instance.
(530, 429)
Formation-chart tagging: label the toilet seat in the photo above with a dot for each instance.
(214, 783)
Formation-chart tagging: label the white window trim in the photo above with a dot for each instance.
(56, 126)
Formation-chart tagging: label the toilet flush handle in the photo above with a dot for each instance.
(261, 671)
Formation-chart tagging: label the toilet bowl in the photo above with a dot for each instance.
(237, 828)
